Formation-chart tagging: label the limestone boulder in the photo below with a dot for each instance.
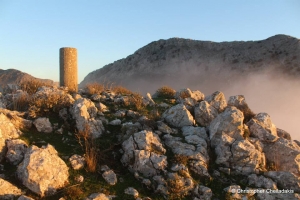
(285, 154)
(198, 131)
(164, 128)
(285, 180)
(17, 119)
(229, 122)
(16, 149)
(42, 170)
(7, 131)
(246, 159)
(205, 113)
(8, 190)
(43, 124)
(144, 153)
(131, 191)
(84, 112)
(147, 100)
(197, 155)
(217, 100)
(178, 116)
(261, 127)
(187, 93)
(110, 177)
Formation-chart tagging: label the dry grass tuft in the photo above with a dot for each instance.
(89, 146)
(21, 102)
(166, 92)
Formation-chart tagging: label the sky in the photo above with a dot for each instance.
(32, 31)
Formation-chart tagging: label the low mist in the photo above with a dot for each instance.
(278, 96)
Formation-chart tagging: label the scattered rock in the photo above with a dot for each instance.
(43, 124)
(8, 190)
(16, 150)
(115, 122)
(77, 161)
(131, 191)
(42, 171)
(110, 177)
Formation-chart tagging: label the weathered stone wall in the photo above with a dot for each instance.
(68, 68)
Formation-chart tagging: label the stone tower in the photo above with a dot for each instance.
(68, 68)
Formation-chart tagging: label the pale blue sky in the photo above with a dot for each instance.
(31, 32)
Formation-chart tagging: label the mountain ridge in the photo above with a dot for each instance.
(167, 59)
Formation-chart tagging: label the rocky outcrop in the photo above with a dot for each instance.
(43, 124)
(42, 171)
(178, 116)
(144, 153)
(84, 112)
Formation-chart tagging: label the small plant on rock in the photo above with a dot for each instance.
(88, 143)
(166, 92)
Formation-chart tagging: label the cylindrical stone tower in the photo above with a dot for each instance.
(68, 68)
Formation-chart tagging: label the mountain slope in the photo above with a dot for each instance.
(187, 62)
(13, 76)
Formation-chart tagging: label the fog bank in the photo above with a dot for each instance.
(276, 95)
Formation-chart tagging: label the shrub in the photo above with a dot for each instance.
(121, 90)
(52, 102)
(136, 100)
(31, 86)
(166, 92)
(94, 88)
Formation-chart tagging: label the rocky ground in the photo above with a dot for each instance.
(111, 145)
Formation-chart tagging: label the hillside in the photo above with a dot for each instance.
(189, 63)
(116, 144)
(13, 76)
